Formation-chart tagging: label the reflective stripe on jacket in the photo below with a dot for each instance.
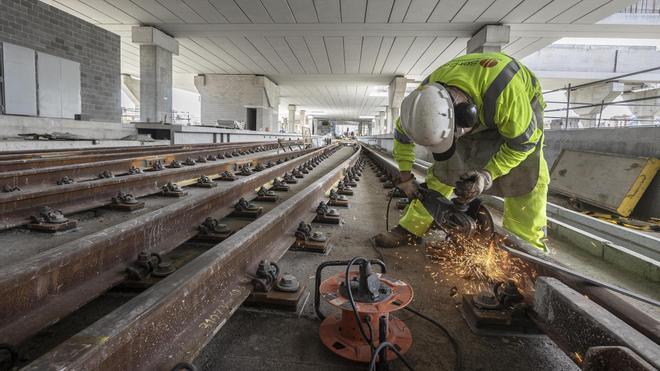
(502, 90)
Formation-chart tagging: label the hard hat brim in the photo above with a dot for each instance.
(443, 146)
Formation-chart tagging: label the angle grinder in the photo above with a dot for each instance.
(469, 219)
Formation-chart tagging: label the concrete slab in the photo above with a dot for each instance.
(36, 145)
(14, 125)
(612, 182)
(581, 323)
(193, 134)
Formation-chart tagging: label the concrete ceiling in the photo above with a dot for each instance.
(329, 55)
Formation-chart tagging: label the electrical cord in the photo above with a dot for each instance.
(387, 211)
(371, 330)
(383, 345)
(369, 340)
(452, 339)
(351, 300)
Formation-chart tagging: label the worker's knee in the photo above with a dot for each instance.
(525, 216)
(416, 219)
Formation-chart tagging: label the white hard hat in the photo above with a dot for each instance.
(427, 117)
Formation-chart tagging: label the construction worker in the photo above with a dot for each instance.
(481, 116)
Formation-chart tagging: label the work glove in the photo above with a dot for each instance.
(472, 184)
(407, 185)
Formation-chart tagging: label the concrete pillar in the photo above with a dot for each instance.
(229, 97)
(291, 119)
(268, 109)
(396, 93)
(131, 87)
(302, 121)
(156, 49)
(646, 109)
(593, 95)
(381, 123)
(392, 115)
(490, 38)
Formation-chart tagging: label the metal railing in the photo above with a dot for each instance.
(643, 7)
(561, 118)
(129, 115)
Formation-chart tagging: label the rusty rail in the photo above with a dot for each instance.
(16, 208)
(47, 161)
(26, 154)
(56, 282)
(173, 320)
(48, 176)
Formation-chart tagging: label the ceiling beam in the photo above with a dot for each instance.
(550, 30)
(332, 80)
(320, 29)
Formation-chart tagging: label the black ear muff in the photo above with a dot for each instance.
(466, 115)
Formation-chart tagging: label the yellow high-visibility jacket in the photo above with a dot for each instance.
(502, 92)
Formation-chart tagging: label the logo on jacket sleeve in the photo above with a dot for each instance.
(488, 62)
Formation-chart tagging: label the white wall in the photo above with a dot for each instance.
(226, 97)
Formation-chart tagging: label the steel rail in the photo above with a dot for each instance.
(172, 321)
(16, 208)
(22, 164)
(596, 290)
(25, 154)
(53, 284)
(48, 176)
(128, 151)
(34, 153)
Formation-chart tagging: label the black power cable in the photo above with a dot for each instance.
(457, 349)
(387, 211)
(351, 300)
(452, 339)
(369, 340)
(383, 345)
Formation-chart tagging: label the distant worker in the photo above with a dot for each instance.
(481, 116)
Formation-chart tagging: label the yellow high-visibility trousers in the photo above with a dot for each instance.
(524, 216)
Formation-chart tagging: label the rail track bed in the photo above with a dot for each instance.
(62, 283)
(80, 299)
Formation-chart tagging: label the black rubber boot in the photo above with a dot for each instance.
(398, 236)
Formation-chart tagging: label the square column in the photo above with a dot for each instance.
(490, 38)
(156, 49)
(302, 122)
(396, 93)
(291, 120)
